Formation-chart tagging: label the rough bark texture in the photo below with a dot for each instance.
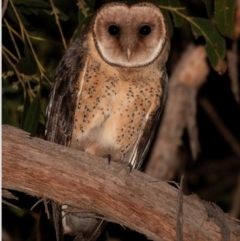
(135, 200)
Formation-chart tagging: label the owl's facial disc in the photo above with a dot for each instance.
(129, 36)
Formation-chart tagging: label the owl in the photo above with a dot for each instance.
(108, 93)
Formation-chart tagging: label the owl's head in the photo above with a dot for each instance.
(130, 36)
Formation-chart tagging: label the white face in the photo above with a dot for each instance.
(129, 36)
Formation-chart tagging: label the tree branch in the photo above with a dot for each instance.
(135, 200)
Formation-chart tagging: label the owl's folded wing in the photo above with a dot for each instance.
(138, 152)
(63, 98)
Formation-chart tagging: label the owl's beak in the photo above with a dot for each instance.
(129, 54)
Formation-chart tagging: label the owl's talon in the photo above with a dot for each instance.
(108, 156)
(130, 168)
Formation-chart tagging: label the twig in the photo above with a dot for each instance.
(46, 208)
(7, 194)
(4, 7)
(12, 38)
(81, 180)
(10, 204)
(24, 34)
(36, 203)
(58, 24)
(18, 74)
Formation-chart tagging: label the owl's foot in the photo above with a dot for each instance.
(130, 167)
(108, 156)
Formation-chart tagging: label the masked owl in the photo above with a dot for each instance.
(108, 92)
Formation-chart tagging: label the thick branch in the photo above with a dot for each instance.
(135, 200)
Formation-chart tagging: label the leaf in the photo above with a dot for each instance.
(81, 27)
(178, 20)
(209, 7)
(168, 21)
(11, 14)
(62, 16)
(22, 13)
(224, 16)
(215, 43)
(33, 4)
(32, 116)
(27, 66)
(27, 8)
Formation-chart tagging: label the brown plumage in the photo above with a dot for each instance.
(109, 91)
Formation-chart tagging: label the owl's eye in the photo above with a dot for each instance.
(145, 30)
(113, 30)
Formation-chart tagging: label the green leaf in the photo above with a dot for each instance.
(32, 116)
(27, 66)
(27, 8)
(33, 4)
(62, 16)
(224, 16)
(209, 7)
(81, 27)
(215, 43)
(168, 21)
(178, 20)
(22, 13)
(20, 9)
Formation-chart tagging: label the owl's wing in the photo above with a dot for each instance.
(60, 118)
(137, 154)
(63, 97)
(61, 108)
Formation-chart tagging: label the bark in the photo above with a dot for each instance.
(134, 199)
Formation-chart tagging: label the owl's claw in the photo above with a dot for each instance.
(130, 167)
(108, 156)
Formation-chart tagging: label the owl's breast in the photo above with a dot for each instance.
(112, 109)
(98, 87)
